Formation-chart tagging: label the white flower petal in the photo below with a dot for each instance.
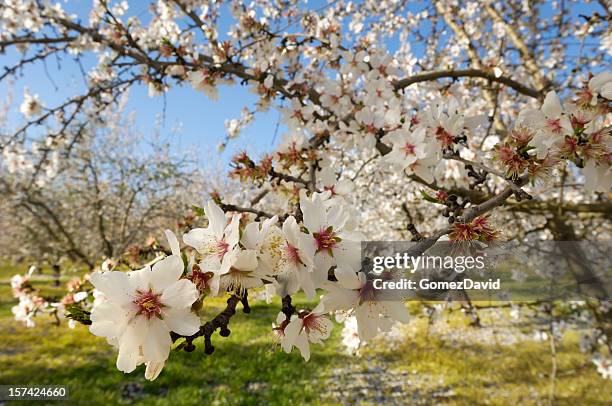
(347, 278)
(153, 370)
(182, 321)
(313, 211)
(166, 272)
(200, 239)
(323, 330)
(140, 279)
(367, 321)
(114, 285)
(232, 232)
(216, 218)
(301, 343)
(180, 294)
(599, 80)
(108, 320)
(340, 299)
(291, 231)
(134, 334)
(173, 242)
(552, 105)
(397, 311)
(127, 360)
(291, 333)
(156, 346)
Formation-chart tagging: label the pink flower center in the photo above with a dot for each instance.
(222, 248)
(571, 145)
(148, 303)
(409, 149)
(367, 292)
(326, 239)
(293, 254)
(312, 322)
(200, 278)
(554, 124)
(330, 189)
(446, 138)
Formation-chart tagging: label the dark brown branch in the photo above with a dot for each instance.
(219, 322)
(471, 73)
(288, 308)
(233, 207)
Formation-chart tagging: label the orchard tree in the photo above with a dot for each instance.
(104, 198)
(442, 119)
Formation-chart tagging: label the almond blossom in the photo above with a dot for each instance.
(357, 295)
(304, 328)
(25, 310)
(354, 83)
(551, 121)
(337, 187)
(243, 271)
(289, 254)
(216, 240)
(601, 84)
(413, 153)
(334, 245)
(31, 105)
(142, 308)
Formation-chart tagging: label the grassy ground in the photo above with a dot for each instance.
(246, 369)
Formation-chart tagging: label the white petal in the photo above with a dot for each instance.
(367, 321)
(291, 231)
(397, 311)
(182, 321)
(232, 231)
(340, 299)
(180, 294)
(291, 333)
(127, 360)
(140, 279)
(200, 239)
(135, 333)
(306, 284)
(348, 253)
(214, 285)
(246, 260)
(153, 370)
(115, 286)
(606, 91)
(80, 296)
(250, 236)
(599, 80)
(552, 105)
(216, 218)
(321, 333)
(301, 344)
(173, 242)
(424, 172)
(108, 320)
(313, 211)
(156, 346)
(166, 272)
(347, 278)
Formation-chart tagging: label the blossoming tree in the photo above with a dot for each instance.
(438, 120)
(103, 201)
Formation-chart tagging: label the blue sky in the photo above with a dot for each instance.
(201, 120)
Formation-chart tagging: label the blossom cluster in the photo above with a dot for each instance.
(32, 303)
(362, 141)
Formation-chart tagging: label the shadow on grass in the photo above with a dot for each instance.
(246, 368)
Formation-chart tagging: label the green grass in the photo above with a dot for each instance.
(247, 369)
